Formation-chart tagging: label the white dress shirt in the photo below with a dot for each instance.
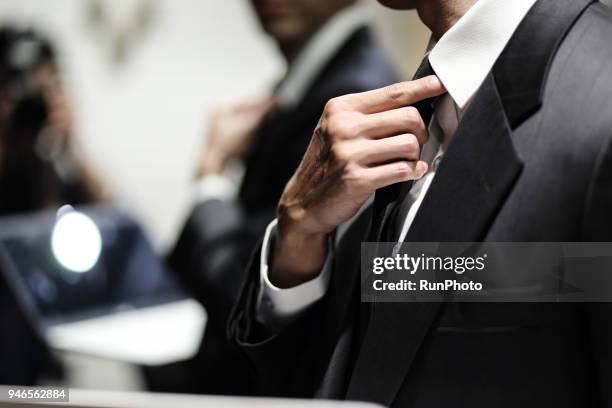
(462, 59)
(309, 63)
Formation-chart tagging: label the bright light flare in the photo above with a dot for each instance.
(76, 241)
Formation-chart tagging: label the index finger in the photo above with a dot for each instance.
(399, 95)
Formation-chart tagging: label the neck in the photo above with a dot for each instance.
(291, 48)
(289, 51)
(440, 15)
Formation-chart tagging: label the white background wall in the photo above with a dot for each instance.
(141, 124)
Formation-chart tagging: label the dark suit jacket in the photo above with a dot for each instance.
(214, 248)
(24, 356)
(530, 161)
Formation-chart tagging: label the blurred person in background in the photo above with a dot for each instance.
(38, 166)
(38, 170)
(330, 51)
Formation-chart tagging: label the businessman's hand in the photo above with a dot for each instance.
(231, 131)
(363, 142)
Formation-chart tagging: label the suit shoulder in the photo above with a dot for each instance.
(360, 65)
(580, 71)
(600, 12)
(592, 30)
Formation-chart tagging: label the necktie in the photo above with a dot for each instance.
(389, 195)
(383, 198)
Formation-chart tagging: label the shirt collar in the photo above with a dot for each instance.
(317, 53)
(466, 53)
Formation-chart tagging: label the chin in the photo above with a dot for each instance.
(399, 4)
(284, 31)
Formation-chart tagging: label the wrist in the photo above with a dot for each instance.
(212, 163)
(298, 257)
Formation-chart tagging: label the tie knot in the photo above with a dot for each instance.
(390, 194)
(424, 69)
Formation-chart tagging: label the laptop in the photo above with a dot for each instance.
(90, 282)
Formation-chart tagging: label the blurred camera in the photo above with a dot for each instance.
(22, 52)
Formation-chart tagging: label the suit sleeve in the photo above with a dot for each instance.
(277, 307)
(292, 362)
(285, 361)
(598, 228)
(211, 252)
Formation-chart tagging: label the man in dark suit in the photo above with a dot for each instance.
(330, 51)
(519, 148)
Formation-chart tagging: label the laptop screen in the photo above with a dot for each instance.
(103, 265)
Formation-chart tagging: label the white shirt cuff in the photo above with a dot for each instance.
(215, 187)
(277, 307)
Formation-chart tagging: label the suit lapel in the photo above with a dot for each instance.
(482, 156)
(521, 70)
(474, 178)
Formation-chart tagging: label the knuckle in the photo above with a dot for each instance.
(354, 178)
(340, 153)
(413, 112)
(358, 128)
(421, 126)
(409, 143)
(335, 127)
(413, 140)
(403, 169)
(330, 107)
(396, 92)
(333, 105)
(413, 117)
(341, 127)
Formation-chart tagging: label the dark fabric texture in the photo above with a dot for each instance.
(214, 247)
(24, 355)
(531, 161)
